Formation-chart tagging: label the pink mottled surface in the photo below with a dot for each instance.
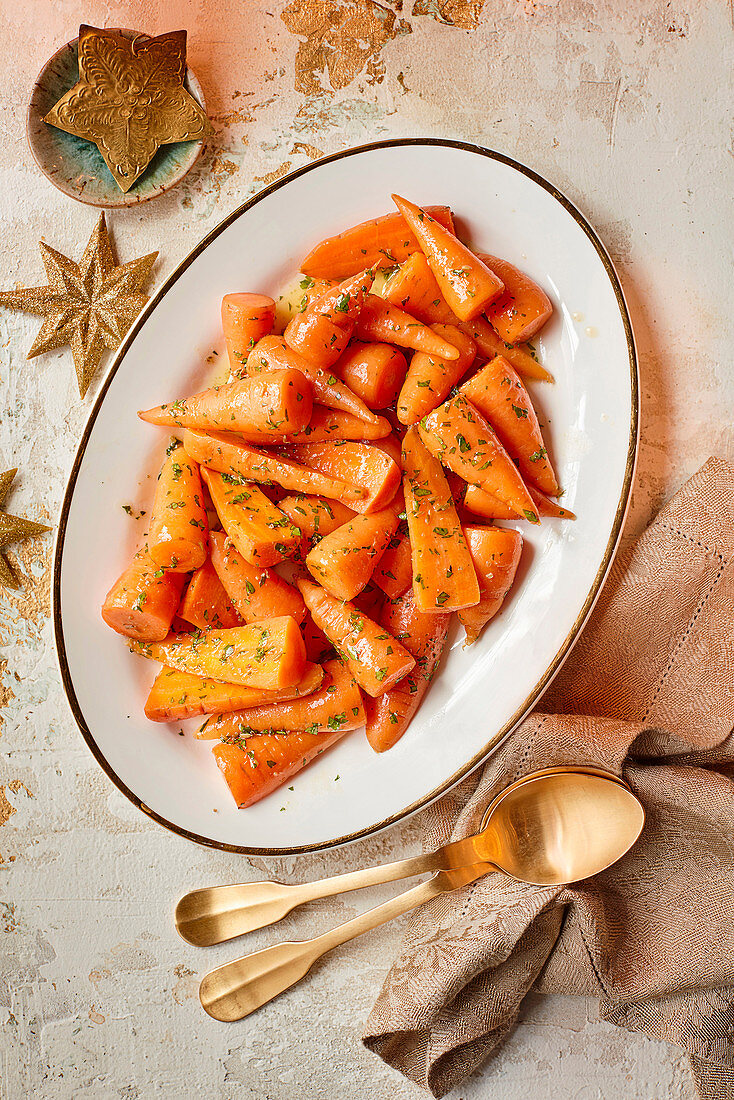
(623, 106)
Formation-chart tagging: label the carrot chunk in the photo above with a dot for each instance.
(496, 554)
(372, 655)
(430, 379)
(178, 526)
(365, 468)
(176, 696)
(321, 333)
(424, 636)
(375, 372)
(246, 318)
(522, 308)
(466, 283)
(259, 530)
(344, 560)
(489, 344)
(143, 600)
(205, 602)
(443, 574)
(256, 591)
(383, 322)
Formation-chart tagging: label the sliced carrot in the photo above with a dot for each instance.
(268, 654)
(489, 507)
(274, 403)
(466, 283)
(443, 574)
(268, 761)
(430, 378)
(373, 656)
(205, 602)
(336, 705)
(321, 333)
(460, 437)
(226, 454)
(344, 561)
(375, 372)
(379, 242)
(383, 322)
(176, 696)
(178, 526)
(257, 592)
(496, 554)
(364, 467)
(522, 308)
(314, 516)
(489, 345)
(499, 395)
(424, 636)
(394, 572)
(273, 354)
(329, 424)
(258, 529)
(413, 287)
(143, 600)
(246, 318)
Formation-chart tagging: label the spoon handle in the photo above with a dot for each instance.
(238, 988)
(218, 913)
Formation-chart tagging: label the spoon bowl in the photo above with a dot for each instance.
(560, 826)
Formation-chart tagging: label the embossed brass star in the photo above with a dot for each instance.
(130, 99)
(89, 305)
(13, 529)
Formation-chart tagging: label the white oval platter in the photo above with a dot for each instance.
(481, 693)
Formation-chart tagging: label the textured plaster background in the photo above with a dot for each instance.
(624, 105)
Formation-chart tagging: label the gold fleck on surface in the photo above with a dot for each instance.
(276, 174)
(7, 809)
(340, 41)
(463, 14)
(130, 99)
(89, 305)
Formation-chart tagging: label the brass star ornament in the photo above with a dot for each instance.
(13, 529)
(130, 99)
(89, 305)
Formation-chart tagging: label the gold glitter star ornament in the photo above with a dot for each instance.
(130, 99)
(89, 305)
(13, 529)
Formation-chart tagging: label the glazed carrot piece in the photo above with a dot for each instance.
(228, 455)
(522, 308)
(344, 560)
(337, 704)
(246, 318)
(143, 600)
(257, 592)
(364, 467)
(258, 529)
(378, 242)
(372, 655)
(499, 395)
(460, 437)
(276, 403)
(321, 333)
(329, 424)
(380, 321)
(443, 574)
(273, 354)
(268, 654)
(496, 553)
(205, 602)
(268, 761)
(489, 507)
(424, 636)
(375, 372)
(178, 526)
(466, 283)
(394, 571)
(314, 516)
(430, 379)
(176, 696)
(489, 345)
(413, 287)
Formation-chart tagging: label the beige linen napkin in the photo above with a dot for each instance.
(648, 693)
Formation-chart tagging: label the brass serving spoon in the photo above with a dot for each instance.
(551, 828)
(215, 914)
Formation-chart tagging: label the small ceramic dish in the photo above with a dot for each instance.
(76, 166)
